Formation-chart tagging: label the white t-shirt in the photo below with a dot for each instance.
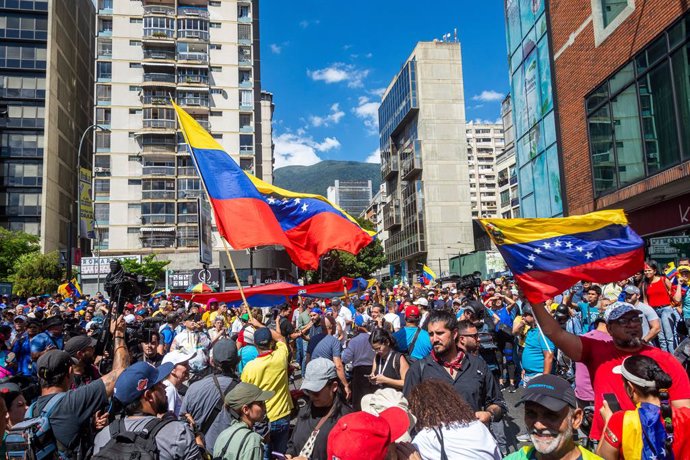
(471, 441)
(236, 326)
(174, 399)
(393, 319)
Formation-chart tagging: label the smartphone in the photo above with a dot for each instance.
(612, 401)
(278, 456)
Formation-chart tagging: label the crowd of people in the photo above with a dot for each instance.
(401, 372)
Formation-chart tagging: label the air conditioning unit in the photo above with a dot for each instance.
(99, 169)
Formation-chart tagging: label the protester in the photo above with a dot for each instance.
(239, 441)
(653, 428)
(551, 418)
(392, 315)
(656, 290)
(412, 339)
(389, 367)
(446, 425)
(360, 355)
(14, 402)
(149, 349)
(537, 355)
(82, 349)
(327, 404)
(651, 325)
(176, 379)
(327, 346)
(21, 348)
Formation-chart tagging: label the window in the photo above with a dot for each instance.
(23, 57)
(134, 182)
(15, 87)
(245, 77)
(101, 213)
(216, 68)
(135, 65)
(246, 144)
(104, 71)
(215, 25)
(245, 121)
(102, 186)
(243, 12)
(21, 145)
(135, 43)
(105, 48)
(216, 46)
(135, 88)
(214, 3)
(103, 94)
(136, 20)
(136, 158)
(244, 32)
(102, 141)
(611, 9)
(246, 98)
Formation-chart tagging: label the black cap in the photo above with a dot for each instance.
(476, 308)
(550, 391)
(53, 362)
(53, 321)
(262, 336)
(79, 343)
(225, 351)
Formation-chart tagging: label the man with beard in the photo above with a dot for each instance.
(551, 418)
(624, 324)
(82, 348)
(141, 391)
(467, 373)
(149, 348)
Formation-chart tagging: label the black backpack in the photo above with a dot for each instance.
(131, 445)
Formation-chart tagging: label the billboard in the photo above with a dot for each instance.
(205, 238)
(86, 229)
(93, 267)
(180, 280)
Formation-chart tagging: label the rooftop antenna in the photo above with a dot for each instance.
(455, 31)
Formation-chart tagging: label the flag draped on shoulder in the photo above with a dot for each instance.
(548, 256)
(250, 212)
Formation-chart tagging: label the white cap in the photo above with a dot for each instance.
(422, 301)
(129, 319)
(177, 357)
(453, 291)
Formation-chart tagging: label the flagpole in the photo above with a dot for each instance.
(234, 272)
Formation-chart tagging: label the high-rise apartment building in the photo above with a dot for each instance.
(353, 196)
(46, 85)
(507, 181)
(205, 55)
(484, 143)
(424, 161)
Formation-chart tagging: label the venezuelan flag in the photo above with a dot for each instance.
(670, 271)
(428, 275)
(75, 288)
(250, 212)
(548, 256)
(644, 435)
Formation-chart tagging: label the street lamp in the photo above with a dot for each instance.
(74, 236)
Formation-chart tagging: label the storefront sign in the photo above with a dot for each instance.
(92, 267)
(180, 280)
(672, 214)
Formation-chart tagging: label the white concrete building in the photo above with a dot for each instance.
(507, 179)
(203, 53)
(353, 196)
(484, 143)
(424, 161)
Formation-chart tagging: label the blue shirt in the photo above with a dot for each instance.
(686, 305)
(246, 354)
(167, 334)
(44, 340)
(22, 351)
(422, 347)
(533, 354)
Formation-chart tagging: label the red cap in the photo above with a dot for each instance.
(411, 310)
(360, 432)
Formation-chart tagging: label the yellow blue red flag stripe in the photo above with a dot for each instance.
(428, 275)
(250, 212)
(548, 256)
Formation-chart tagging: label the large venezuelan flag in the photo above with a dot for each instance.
(250, 212)
(548, 256)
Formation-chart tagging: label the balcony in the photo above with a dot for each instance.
(192, 80)
(193, 101)
(391, 214)
(158, 55)
(159, 10)
(411, 161)
(389, 165)
(192, 12)
(159, 79)
(245, 61)
(155, 100)
(158, 34)
(514, 202)
(157, 151)
(157, 195)
(196, 58)
(158, 171)
(513, 179)
(194, 34)
(186, 171)
(158, 123)
(502, 181)
(189, 194)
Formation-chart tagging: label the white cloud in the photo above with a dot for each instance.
(368, 55)
(295, 149)
(480, 121)
(378, 92)
(374, 157)
(275, 48)
(488, 96)
(340, 72)
(333, 117)
(369, 112)
(304, 23)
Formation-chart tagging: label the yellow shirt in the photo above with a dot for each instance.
(523, 333)
(205, 318)
(212, 318)
(269, 373)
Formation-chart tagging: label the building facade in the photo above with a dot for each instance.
(534, 115)
(506, 170)
(424, 161)
(484, 143)
(622, 75)
(203, 53)
(353, 196)
(46, 84)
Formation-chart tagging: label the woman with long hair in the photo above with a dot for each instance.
(446, 425)
(656, 292)
(652, 431)
(389, 367)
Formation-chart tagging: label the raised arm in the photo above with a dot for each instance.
(569, 343)
(121, 357)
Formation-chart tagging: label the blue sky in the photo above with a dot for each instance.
(327, 62)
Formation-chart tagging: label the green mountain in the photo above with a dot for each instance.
(317, 178)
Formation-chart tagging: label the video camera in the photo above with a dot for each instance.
(472, 281)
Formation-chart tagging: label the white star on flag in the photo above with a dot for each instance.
(569, 245)
(271, 200)
(530, 266)
(579, 249)
(285, 200)
(297, 201)
(557, 244)
(537, 251)
(588, 255)
(547, 245)
(304, 207)
(531, 258)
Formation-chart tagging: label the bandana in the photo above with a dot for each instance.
(455, 364)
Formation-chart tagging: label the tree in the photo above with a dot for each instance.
(35, 274)
(336, 264)
(150, 267)
(13, 245)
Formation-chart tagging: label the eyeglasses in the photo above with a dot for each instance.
(474, 336)
(629, 320)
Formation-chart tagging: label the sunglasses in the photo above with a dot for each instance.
(630, 320)
(474, 336)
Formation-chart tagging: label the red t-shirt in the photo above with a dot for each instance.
(601, 357)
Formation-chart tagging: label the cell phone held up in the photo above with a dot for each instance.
(612, 401)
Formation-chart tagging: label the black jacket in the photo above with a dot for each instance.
(306, 422)
(474, 382)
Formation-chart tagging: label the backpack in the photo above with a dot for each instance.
(33, 438)
(410, 348)
(126, 445)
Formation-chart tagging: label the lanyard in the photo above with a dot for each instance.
(385, 365)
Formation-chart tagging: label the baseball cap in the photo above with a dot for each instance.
(412, 310)
(617, 310)
(244, 317)
(138, 378)
(631, 289)
(225, 350)
(526, 311)
(53, 362)
(335, 301)
(317, 374)
(79, 343)
(359, 320)
(246, 393)
(550, 391)
(177, 357)
(360, 432)
(683, 268)
(317, 311)
(53, 321)
(262, 336)
(422, 301)
(19, 318)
